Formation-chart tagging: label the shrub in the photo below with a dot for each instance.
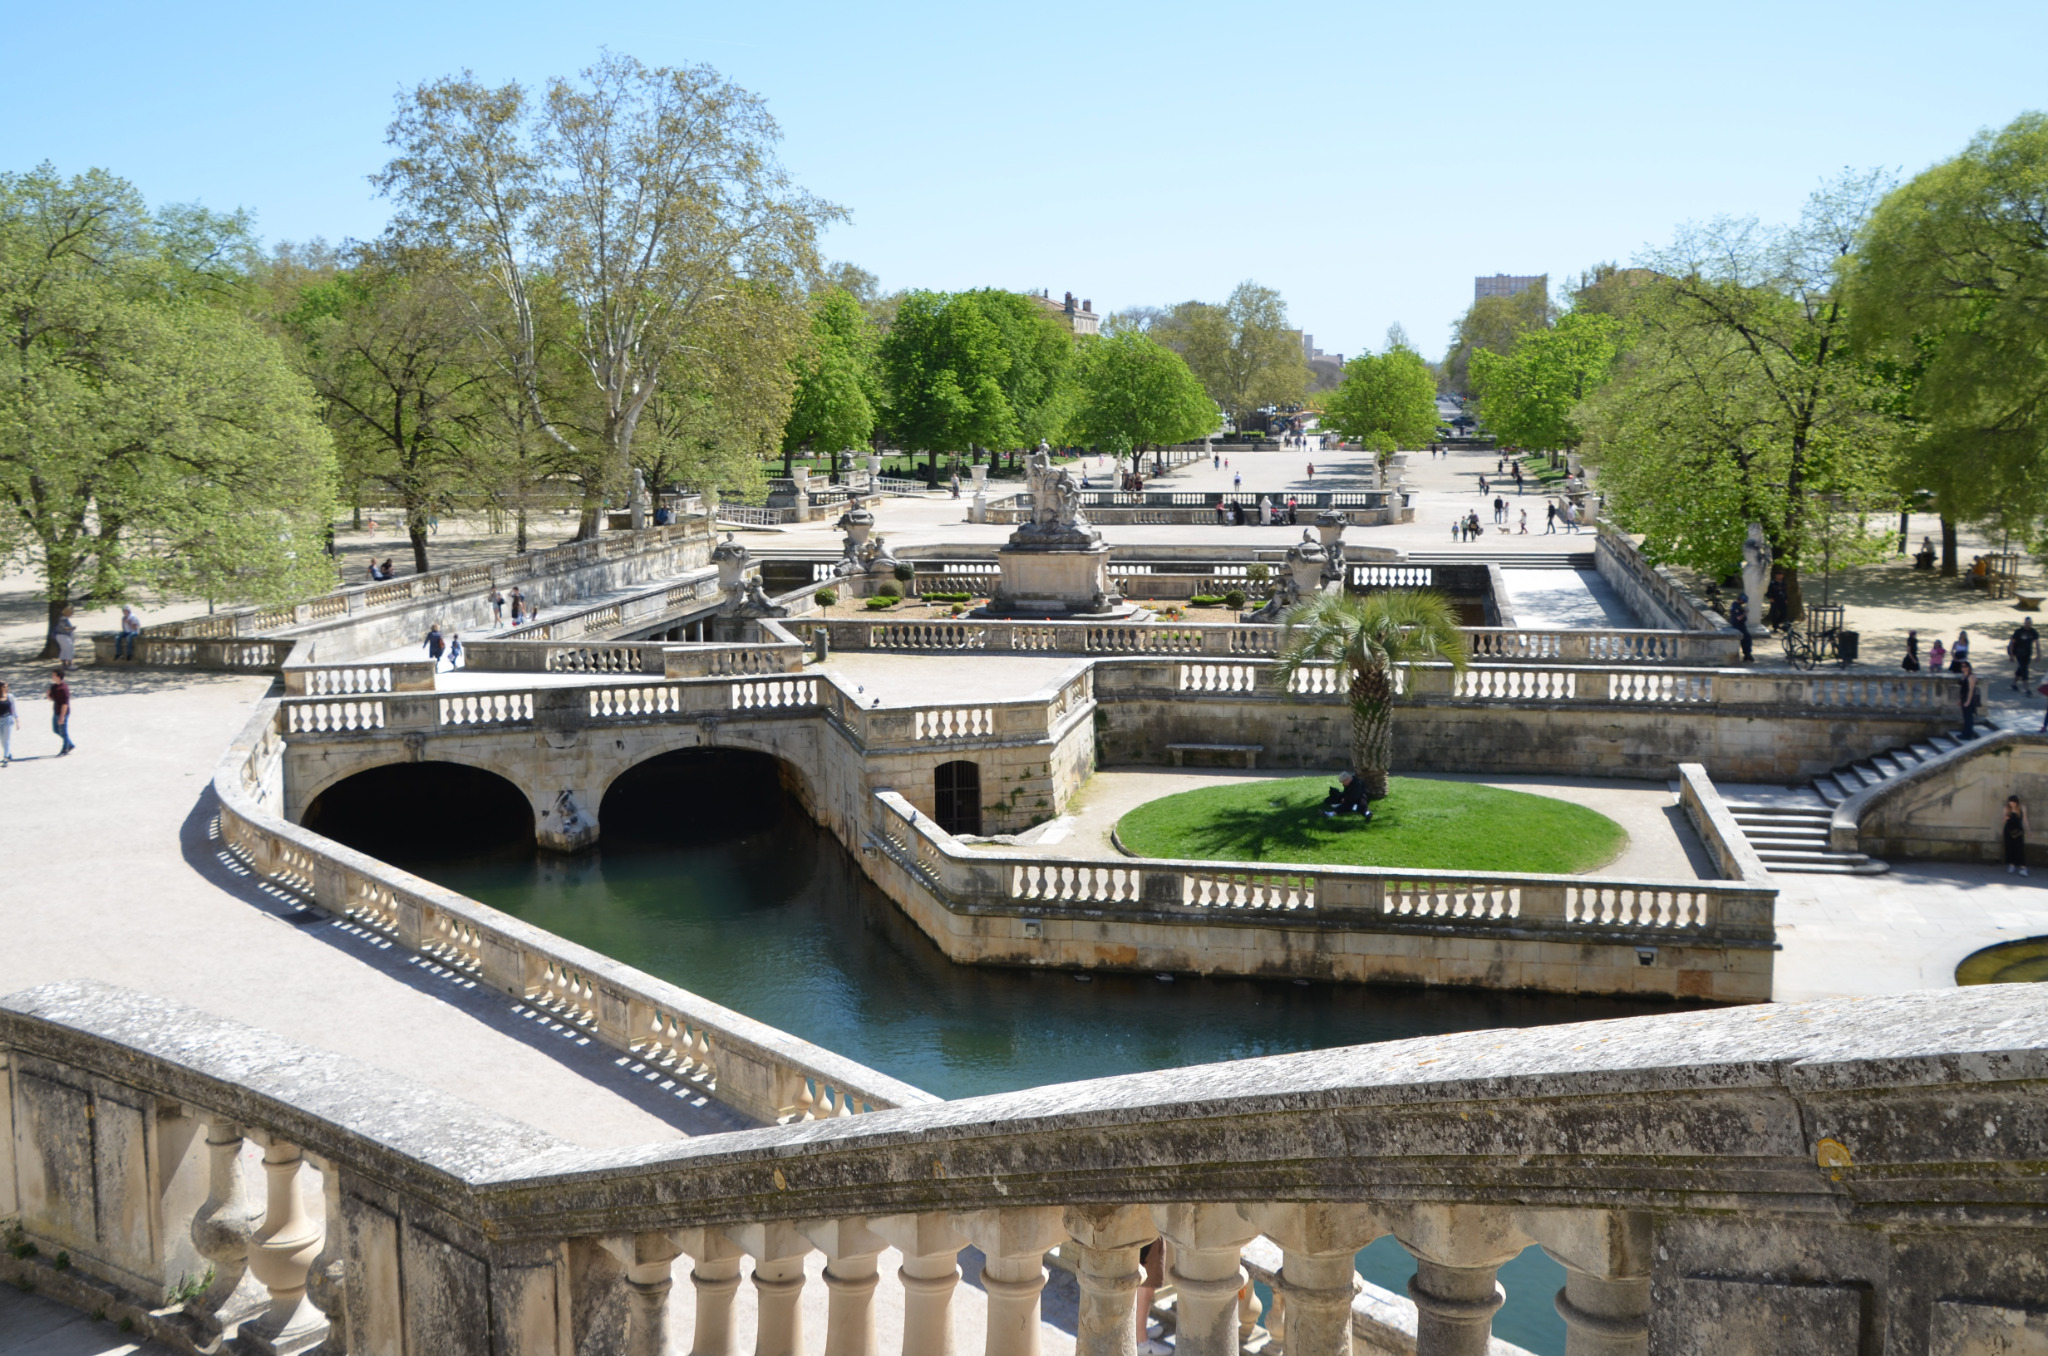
(1258, 572)
(948, 597)
(889, 588)
(1206, 600)
(905, 571)
(825, 597)
(882, 603)
(1234, 598)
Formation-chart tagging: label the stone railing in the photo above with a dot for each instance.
(747, 1065)
(357, 678)
(1651, 591)
(635, 611)
(1711, 819)
(251, 654)
(1709, 939)
(1497, 644)
(1951, 807)
(746, 515)
(1843, 1177)
(396, 593)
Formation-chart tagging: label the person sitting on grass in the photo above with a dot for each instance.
(1348, 798)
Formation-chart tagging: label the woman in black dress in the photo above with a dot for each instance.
(2015, 832)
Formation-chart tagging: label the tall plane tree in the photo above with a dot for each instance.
(646, 196)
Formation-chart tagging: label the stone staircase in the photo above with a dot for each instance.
(1792, 836)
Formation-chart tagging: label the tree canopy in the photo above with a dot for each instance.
(1133, 393)
(1386, 397)
(1243, 351)
(1492, 325)
(1529, 395)
(836, 400)
(151, 433)
(974, 369)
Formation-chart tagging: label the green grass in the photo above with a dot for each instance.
(1422, 824)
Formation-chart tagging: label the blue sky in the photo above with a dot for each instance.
(1365, 159)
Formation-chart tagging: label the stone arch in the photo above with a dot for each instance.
(403, 810)
(649, 743)
(369, 756)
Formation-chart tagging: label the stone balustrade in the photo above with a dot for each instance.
(1651, 590)
(1828, 1178)
(1577, 934)
(236, 654)
(760, 1072)
(643, 610)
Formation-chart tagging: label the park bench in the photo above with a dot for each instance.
(1251, 752)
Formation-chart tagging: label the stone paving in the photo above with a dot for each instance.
(33, 1326)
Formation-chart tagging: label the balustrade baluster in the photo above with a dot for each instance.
(649, 1260)
(283, 1253)
(778, 1252)
(850, 1249)
(1207, 1274)
(326, 1282)
(1014, 1242)
(930, 1273)
(1318, 1272)
(715, 1275)
(1458, 1249)
(1605, 1302)
(1108, 1239)
(222, 1231)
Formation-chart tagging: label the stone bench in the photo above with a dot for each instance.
(1178, 752)
(2030, 602)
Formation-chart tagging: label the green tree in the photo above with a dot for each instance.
(1243, 351)
(1493, 324)
(1951, 285)
(727, 399)
(1133, 394)
(942, 364)
(837, 395)
(644, 197)
(390, 350)
(1388, 396)
(1740, 399)
(1369, 638)
(151, 434)
(1038, 382)
(1527, 396)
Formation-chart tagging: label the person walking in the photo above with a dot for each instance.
(1937, 656)
(1518, 477)
(1550, 518)
(7, 717)
(518, 606)
(1738, 617)
(64, 633)
(1959, 653)
(1525, 523)
(436, 647)
(1776, 601)
(956, 482)
(2021, 648)
(131, 627)
(454, 651)
(1236, 481)
(60, 710)
(497, 607)
(1971, 694)
(2014, 833)
(1911, 663)
(1311, 470)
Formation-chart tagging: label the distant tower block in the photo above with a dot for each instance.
(1507, 285)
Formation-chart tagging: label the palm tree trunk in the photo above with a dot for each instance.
(1372, 727)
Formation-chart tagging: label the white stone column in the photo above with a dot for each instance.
(327, 1280)
(715, 1274)
(650, 1261)
(1206, 1276)
(285, 1246)
(1457, 1249)
(778, 1251)
(1605, 1302)
(1318, 1271)
(1014, 1244)
(850, 1249)
(222, 1232)
(1108, 1239)
(930, 1272)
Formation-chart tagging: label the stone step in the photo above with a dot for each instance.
(1793, 855)
(1867, 868)
(1791, 815)
(1766, 846)
(1922, 752)
(1803, 824)
(1944, 744)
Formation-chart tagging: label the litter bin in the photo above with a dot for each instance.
(1846, 645)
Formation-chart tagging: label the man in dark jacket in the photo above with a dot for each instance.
(2021, 647)
(1348, 798)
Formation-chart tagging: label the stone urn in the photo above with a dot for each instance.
(732, 560)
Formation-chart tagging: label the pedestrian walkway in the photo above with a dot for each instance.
(31, 1325)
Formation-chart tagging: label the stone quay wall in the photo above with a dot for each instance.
(1844, 1178)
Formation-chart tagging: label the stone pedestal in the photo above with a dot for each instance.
(1059, 582)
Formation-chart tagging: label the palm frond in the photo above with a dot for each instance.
(1388, 628)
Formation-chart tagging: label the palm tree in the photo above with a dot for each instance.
(1370, 636)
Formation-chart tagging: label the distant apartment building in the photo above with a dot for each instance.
(1079, 316)
(1507, 285)
(1325, 369)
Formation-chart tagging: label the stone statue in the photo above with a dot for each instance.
(1055, 502)
(1302, 577)
(1756, 568)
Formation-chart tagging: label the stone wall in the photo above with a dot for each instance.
(1953, 807)
(1652, 592)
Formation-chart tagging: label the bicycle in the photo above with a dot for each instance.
(1820, 638)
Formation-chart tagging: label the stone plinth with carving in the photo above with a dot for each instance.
(1056, 565)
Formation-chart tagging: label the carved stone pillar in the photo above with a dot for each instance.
(1108, 1239)
(715, 1274)
(1014, 1242)
(1457, 1249)
(1207, 1274)
(650, 1261)
(930, 1272)
(778, 1252)
(1605, 1302)
(285, 1247)
(1318, 1272)
(326, 1280)
(850, 1249)
(222, 1232)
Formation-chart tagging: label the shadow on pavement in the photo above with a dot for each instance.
(691, 1113)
